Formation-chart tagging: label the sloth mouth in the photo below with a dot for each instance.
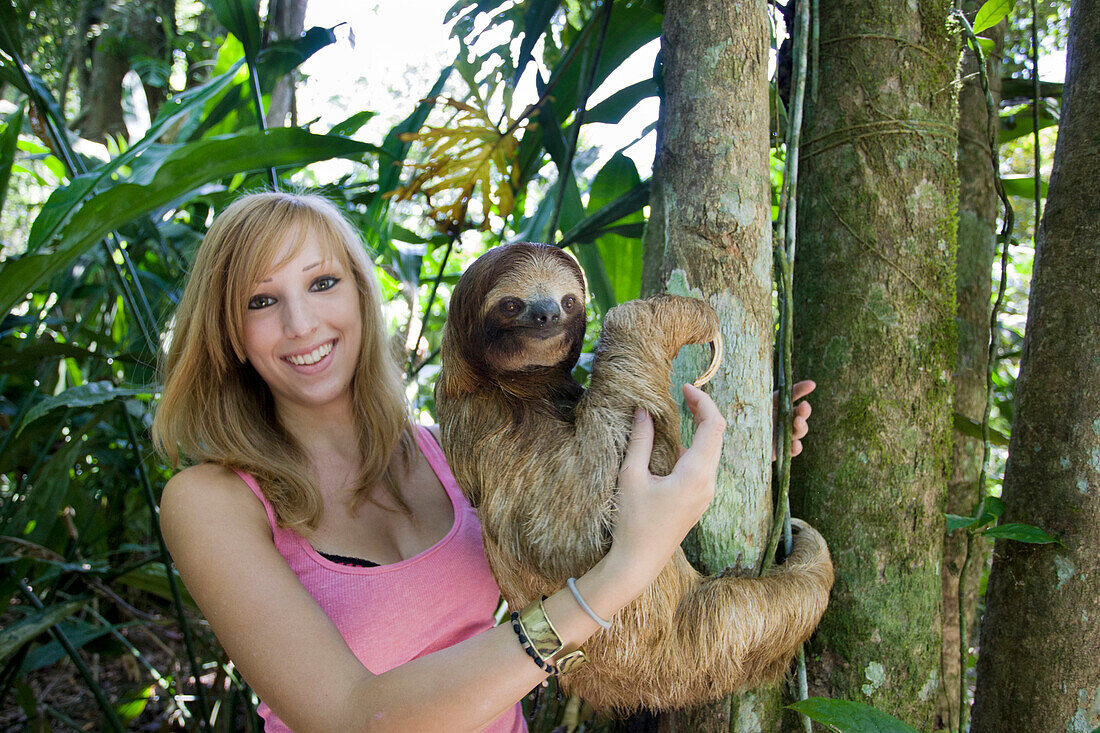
(542, 333)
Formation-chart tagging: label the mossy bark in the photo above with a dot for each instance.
(709, 234)
(874, 326)
(1039, 666)
(978, 210)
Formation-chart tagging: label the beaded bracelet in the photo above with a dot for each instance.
(541, 640)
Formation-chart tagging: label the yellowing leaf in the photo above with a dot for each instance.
(470, 154)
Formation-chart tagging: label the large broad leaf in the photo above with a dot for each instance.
(535, 20)
(612, 110)
(187, 168)
(78, 634)
(84, 395)
(23, 631)
(151, 578)
(1019, 123)
(622, 256)
(242, 20)
(64, 201)
(281, 57)
(846, 716)
(8, 140)
(1023, 185)
(1021, 533)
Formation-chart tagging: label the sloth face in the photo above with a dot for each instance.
(533, 315)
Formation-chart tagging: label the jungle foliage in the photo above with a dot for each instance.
(97, 241)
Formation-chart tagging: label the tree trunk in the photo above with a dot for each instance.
(1039, 667)
(874, 326)
(977, 233)
(710, 235)
(130, 28)
(286, 20)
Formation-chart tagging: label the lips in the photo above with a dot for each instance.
(309, 358)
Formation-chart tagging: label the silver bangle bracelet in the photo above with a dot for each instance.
(572, 583)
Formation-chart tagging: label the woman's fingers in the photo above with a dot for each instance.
(709, 425)
(803, 388)
(635, 463)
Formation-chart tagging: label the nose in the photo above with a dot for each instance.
(544, 312)
(299, 319)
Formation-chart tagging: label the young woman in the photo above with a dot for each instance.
(321, 532)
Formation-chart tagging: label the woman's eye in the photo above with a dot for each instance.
(256, 302)
(325, 283)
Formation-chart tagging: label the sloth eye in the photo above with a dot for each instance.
(510, 305)
(568, 302)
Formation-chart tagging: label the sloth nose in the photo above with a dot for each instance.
(544, 312)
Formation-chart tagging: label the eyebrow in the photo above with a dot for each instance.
(307, 268)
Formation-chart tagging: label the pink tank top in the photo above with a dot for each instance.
(391, 614)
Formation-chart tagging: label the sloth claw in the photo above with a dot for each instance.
(715, 361)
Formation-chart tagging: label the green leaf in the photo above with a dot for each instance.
(991, 13)
(991, 509)
(988, 45)
(184, 170)
(129, 710)
(8, 141)
(151, 579)
(622, 256)
(85, 395)
(966, 426)
(242, 20)
(535, 20)
(64, 201)
(850, 717)
(282, 57)
(23, 631)
(351, 125)
(612, 110)
(1019, 123)
(78, 633)
(11, 42)
(1023, 186)
(954, 521)
(1021, 533)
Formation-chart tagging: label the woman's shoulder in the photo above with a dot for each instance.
(206, 490)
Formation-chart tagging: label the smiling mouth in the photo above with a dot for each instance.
(313, 356)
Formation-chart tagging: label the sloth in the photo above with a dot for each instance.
(539, 457)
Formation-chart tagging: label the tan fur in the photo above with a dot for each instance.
(541, 462)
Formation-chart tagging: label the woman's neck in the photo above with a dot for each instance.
(322, 432)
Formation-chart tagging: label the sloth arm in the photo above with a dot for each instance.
(219, 538)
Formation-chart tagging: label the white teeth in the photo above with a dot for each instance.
(312, 357)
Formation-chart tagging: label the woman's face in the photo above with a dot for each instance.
(303, 328)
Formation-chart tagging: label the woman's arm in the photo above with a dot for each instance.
(296, 660)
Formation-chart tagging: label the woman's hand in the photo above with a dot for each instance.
(656, 512)
(801, 417)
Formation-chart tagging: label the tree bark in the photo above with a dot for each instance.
(977, 233)
(1042, 604)
(286, 20)
(129, 28)
(709, 234)
(874, 310)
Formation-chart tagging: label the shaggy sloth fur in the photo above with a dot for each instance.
(539, 457)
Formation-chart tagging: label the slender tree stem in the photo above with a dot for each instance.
(105, 706)
(784, 255)
(173, 584)
(1035, 100)
(414, 367)
(1005, 237)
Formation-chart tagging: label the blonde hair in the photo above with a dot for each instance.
(215, 408)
